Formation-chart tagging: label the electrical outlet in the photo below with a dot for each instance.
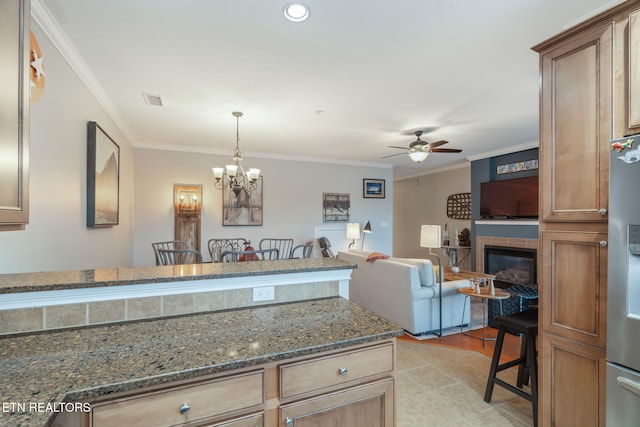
(265, 293)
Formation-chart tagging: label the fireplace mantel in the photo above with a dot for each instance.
(507, 222)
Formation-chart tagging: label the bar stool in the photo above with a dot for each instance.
(525, 324)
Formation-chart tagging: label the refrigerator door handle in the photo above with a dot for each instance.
(629, 385)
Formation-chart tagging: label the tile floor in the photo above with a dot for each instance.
(441, 386)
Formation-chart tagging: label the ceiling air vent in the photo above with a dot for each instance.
(152, 99)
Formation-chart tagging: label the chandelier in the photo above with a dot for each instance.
(234, 175)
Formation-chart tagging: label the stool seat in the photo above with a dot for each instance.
(525, 324)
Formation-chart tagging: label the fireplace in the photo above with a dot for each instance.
(511, 266)
(515, 271)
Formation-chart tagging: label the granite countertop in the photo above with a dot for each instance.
(55, 280)
(77, 364)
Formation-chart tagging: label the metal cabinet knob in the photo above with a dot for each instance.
(288, 422)
(185, 408)
(602, 211)
(343, 371)
(604, 243)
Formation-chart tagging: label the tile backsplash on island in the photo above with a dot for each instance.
(83, 314)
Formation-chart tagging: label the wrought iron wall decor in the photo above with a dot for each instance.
(459, 206)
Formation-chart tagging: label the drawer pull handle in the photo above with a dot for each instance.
(602, 211)
(343, 371)
(288, 422)
(185, 408)
(604, 243)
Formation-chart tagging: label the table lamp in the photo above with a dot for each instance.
(366, 229)
(353, 232)
(430, 238)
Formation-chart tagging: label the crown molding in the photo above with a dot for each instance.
(506, 150)
(260, 155)
(43, 17)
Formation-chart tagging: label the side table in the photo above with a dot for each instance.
(485, 295)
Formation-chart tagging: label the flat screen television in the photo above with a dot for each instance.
(509, 198)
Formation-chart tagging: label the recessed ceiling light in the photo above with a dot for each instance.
(296, 12)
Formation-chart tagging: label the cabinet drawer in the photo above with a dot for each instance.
(250, 421)
(162, 407)
(316, 374)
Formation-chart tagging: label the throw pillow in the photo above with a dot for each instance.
(376, 255)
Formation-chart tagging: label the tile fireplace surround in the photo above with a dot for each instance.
(508, 242)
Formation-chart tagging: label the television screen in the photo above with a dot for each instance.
(510, 198)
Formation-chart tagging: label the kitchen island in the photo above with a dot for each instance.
(87, 364)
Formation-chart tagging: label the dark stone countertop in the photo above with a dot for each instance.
(76, 364)
(55, 280)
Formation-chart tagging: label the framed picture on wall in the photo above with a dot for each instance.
(373, 188)
(244, 208)
(103, 178)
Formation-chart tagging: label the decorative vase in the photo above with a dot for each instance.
(455, 269)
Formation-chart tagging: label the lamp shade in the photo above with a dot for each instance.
(418, 156)
(430, 236)
(353, 230)
(367, 227)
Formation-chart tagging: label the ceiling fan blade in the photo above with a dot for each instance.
(437, 143)
(395, 146)
(446, 150)
(393, 155)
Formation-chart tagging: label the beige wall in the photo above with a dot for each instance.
(292, 197)
(56, 237)
(423, 200)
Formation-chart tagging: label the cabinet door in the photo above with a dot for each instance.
(633, 68)
(574, 291)
(370, 405)
(14, 114)
(572, 387)
(576, 122)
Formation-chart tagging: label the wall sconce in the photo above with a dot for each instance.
(187, 206)
(353, 232)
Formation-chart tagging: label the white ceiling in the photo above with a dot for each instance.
(358, 76)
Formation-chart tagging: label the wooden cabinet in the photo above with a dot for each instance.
(370, 405)
(572, 385)
(574, 274)
(14, 118)
(184, 404)
(590, 94)
(575, 128)
(342, 388)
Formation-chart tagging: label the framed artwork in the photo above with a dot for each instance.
(373, 188)
(103, 178)
(517, 167)
(335, 207)
(244, 208)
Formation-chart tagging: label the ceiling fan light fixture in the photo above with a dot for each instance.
(418, 155)
(296, 12)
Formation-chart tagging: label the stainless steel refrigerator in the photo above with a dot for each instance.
(623, 311)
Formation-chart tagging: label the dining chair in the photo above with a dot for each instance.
(283, 245)
(305, 249)
(169, 244)
(251, 255)
(218, 246)
(179, 256)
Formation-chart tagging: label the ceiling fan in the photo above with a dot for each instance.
(418, 150)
